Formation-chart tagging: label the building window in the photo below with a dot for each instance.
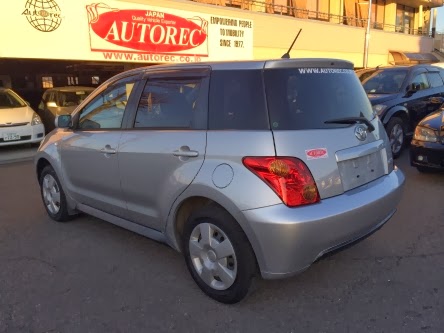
(95, 80)
(318, 9)
(405, 18)
(47, 82)
(378, 12)
(73, 80)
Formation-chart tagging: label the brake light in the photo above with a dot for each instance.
(289, 177)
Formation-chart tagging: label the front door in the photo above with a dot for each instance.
(164, 151)
(419, 103)
(90, 155)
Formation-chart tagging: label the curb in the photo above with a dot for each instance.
(17, 160)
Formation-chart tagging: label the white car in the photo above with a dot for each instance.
(19, 123)
(438, 64)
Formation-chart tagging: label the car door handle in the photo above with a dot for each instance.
(108, 150)
(185, 152)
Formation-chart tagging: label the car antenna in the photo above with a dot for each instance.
(287, 54)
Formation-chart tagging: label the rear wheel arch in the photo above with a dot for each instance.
(192, 204)
(183, 212)
(401, 113)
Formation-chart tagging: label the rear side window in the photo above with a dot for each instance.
(172, 103)
(303, 98)
(237, 101)
(435, 80)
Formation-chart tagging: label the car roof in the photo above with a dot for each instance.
(70, 88)
(409, 67)
(243, 65)
(259, 64)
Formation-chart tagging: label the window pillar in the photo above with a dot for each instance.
(390, 15)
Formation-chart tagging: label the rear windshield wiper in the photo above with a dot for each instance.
(352, 120)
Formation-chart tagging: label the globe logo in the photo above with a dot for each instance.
(43, 15)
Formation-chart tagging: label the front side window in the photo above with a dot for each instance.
(170, 104)
(106, 110)
(421, 81)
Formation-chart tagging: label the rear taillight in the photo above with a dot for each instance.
(289, 177)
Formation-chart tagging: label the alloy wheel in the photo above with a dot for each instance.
(51, 194)
(396, 138)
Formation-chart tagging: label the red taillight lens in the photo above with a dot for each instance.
(289, 177)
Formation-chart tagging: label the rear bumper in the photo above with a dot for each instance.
(287, 240)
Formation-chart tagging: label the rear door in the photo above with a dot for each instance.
(301, 99)
(165, 148)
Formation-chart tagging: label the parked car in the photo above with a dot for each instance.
(59, 101)
(427, 146)
(401, 98)
(18, 122)
(364, 73)
(242, 166)
(439, 64)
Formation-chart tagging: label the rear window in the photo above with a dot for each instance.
(237, 101)
(304, 98)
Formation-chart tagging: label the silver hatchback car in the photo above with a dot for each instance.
(244, 167)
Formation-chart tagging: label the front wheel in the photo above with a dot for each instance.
(218, 254)
(396, 134)
(53, 195)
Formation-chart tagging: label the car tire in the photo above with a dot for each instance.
(223, 263)
(53, 196)
(396, 134)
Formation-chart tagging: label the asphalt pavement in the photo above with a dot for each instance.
(89, 276)
(17, 153)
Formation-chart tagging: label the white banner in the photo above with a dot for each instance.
(119, 31)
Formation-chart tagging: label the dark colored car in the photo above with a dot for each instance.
(60, 101)
(364, 73)
(427, 146)
(401, 97)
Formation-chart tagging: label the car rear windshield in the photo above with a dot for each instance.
(385, 82)
(10, 100)
(71, 98)
(305, 98)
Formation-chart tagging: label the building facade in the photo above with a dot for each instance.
(64, 42)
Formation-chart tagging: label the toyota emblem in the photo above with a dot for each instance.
(361, 133)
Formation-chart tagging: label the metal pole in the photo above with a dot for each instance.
(367, 33)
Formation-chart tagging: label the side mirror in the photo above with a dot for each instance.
(63, 121)
(412, 88)
(51, 104)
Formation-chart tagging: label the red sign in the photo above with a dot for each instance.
(316, 153)
(146, 30)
